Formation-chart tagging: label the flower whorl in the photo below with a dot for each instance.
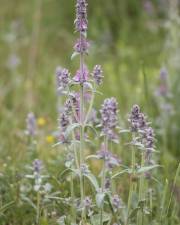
(109, 119)
(81, 22)
(97, 74)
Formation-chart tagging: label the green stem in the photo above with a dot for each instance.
(82, 132)
(103, 181)
(133, 162)
(141, 193)
(72, 198)
(38, 208)
(163, 201)
(172, 192)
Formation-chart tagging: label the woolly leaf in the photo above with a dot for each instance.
(146, 168)
(93, 180)
(74, 55)
(95, 219)
(120, 173)
(71, 128)
(100, 199)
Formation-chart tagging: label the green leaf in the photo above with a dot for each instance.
(92, 157)
(100, 199)
(95, 219)
(120, 173)
(134, 213)
(74, 55)
(6, 206)
(146, 168)
(71, 128)
(28, 200)
(92, 128)
(141, 203)
(93, 180)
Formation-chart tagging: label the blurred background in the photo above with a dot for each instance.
(137, 42)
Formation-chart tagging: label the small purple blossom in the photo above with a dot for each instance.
(140, 125)
(111, 160)
(37, 166)
(81, 46)
(81, 76)
(64, 121)
(107, 184)
(87, 202)
(81, 22)
(116, 202)
(148, 140)
(84, 169)
(163, 75)
(63, 78)
(13, 62)
(97, 74)
(109, 119)
(137, 119)
(31, 125)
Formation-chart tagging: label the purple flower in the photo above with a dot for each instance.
(64, 121)
(107, 184)
(37, 166)
(81, 22)
(31, 124)
(116, 202)
(13, 62)
(81, 46)
(84, 169)
(97, 74)
(76, 104)
(87, 202)
(163, 88)
(63, 78)
(140, 125)
(110, 160)
(148, 140)
(81, 76)
(137, 119)
(109, 119)
(163, 75)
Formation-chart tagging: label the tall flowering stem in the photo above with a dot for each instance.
(109, 123)
(81, 23)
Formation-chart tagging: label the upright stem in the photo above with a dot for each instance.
(82, 129)
(72, 198)
(38, 208)
(133, 162)
(141, 193)
(103, 181)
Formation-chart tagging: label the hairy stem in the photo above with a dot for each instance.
(82, 131)
(38, 209)
(141, 193)
(133, 162)
(103, 181)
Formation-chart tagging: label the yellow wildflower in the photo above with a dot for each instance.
(41, 121)
(50, 139)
